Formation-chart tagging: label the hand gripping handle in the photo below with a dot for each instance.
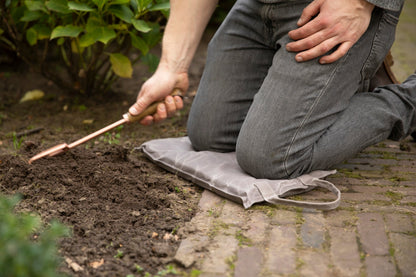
(149, 110)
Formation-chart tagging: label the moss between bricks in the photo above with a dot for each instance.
(243, 240)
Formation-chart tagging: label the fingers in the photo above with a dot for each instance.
(336, 55)
(312, 47)
(164, 110)
(310, 11)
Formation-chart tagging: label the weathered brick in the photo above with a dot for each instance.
(232, 213)
(314, 263)
(403, 169)
(249, 261)
(281, 255)
(186, 253)
(406, 191)
(404, 248)
(396, 222)
(312, 230)
(255, 228)
(366, 161)
(361, 167)
(284, 217)
(221, 252)
(365, 193)
(210, 274)
(340, 218)
(209, 201)
(408, 199)
(201, 222)
(408, 183)
(344, 251)
(318, 194)
(372, 234)
(380, 266)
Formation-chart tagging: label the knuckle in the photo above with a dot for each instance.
(325, 47)
(309, 44)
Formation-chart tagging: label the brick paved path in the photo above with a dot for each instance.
(372, 233)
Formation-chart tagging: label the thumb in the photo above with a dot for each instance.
(140, 105)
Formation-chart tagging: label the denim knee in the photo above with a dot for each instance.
(258, 161)
(208, 138)
(264, 162)
(197, 137)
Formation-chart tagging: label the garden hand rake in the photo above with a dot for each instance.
(127, 118)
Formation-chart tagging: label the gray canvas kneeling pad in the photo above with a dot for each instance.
(220, 173)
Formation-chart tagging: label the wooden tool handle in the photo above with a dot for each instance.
(149, 110)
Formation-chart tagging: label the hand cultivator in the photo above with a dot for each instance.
(127, 118)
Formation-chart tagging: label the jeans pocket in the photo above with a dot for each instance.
(382, 41)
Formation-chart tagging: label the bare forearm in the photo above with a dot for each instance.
(186, 24)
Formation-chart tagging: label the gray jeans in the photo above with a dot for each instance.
(285, 118)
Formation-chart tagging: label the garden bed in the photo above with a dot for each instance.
(124, 212)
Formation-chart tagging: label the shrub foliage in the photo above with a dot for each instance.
(26, 248)
(82, 45)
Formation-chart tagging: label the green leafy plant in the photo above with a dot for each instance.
(112, 137)
(83, 45)
(17, 142)
(119, 254)
(26, 247)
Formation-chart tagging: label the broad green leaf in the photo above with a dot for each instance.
(159, 7)
(139, 43)
(153, 37)
(42, 30)
(99, 3)
(141, 25)
(152, 61)
(121, 65)
(92, 23)
(135, 5)
(60, 41)
(17, 13)
(80, 7)
(34, 5)
(104, 34)
(119, 27)
(119, 2)
(87, 40)
(143, 4)
(66, 31)
(31, 16)
(122, 12)
(31, 36)
(60, 6)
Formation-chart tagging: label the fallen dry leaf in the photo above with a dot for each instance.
(31, 95)
(154, 235)
(73, 265)
(88, 121)
(96, 264)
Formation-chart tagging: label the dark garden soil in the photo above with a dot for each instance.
(123, 210)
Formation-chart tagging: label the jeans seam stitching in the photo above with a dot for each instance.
(322, 92)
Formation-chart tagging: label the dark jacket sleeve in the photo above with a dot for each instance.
(393, 5)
